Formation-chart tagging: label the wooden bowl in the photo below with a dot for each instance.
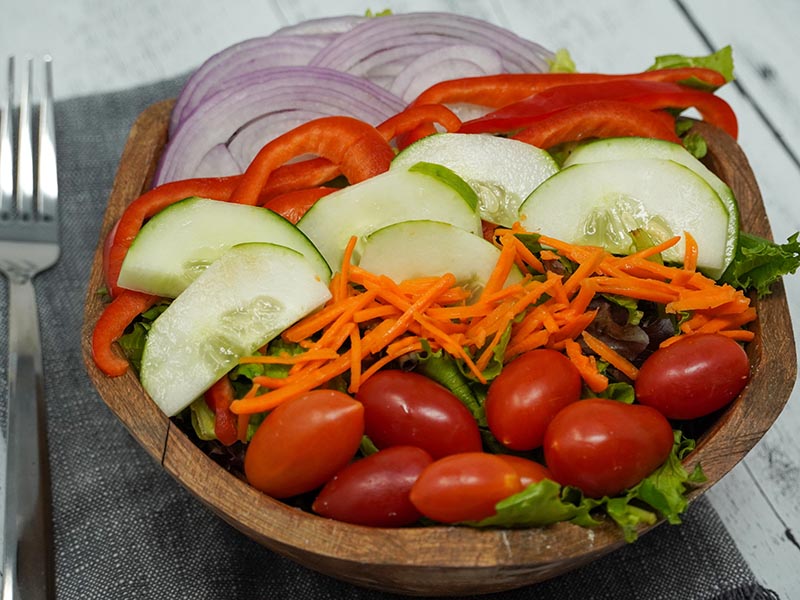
(437, 560)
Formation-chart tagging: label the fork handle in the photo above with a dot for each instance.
(28, 572)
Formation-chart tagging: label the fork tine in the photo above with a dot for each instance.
(6, 159)
(24, 186)
(47, 179)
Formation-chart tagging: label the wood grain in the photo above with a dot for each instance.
(434, 560)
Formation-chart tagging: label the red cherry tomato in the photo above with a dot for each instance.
(304, 442)
(694, 376)
(529, 471)
(604, 446)
(464, 487)
(375, 490)
(527, 394)
(408, 409)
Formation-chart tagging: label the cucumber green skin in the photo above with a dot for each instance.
(627, 148)
(502, 171)
(179, 242)
(430, 249)
(244, 299)
(561, 206)
(391, 197)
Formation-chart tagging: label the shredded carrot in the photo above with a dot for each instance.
(527, 257)
(580, 302)
(355, 360)
(372, 320)
(345, 271)
(584, 270)
(611, 356)
(702, 299)
(742, 335)
(587, 367)
(690, 253)
(381, 311)
(394, 351)
(549, 255)
(285, 359)
(503, 267)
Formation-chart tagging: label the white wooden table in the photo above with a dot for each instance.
(103, 46)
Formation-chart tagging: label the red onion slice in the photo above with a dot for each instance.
(217, 162)
(374, 35)
(248, 98)
(241, 58)
(451, 62)
(383, 66)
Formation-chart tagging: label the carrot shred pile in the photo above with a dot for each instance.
(371, 320)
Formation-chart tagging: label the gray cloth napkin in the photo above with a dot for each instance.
(125, 529)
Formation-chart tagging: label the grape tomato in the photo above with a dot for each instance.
(527, 395)
(604, 447)
(464, 487)
(693, 377)
(402, 408)
(304, 443)
(375, 490)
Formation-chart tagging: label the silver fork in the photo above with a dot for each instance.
(29, 244)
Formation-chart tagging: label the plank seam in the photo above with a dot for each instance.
(741, 88)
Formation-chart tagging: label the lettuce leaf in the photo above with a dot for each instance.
(759, 263)
(539, 504)
(203, 419)
(720, 61)
(445, 370)
(562, 62)
(662, 492)
(132, 341)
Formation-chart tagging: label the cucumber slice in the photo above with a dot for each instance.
(429, 249)
(502, 171)
(179, 242)
(635, 147)
(245, 298)
(601, 203)
(391, 197)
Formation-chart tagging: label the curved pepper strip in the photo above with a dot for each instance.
(417, 122)
(298, 176)
(495, 91)
(112, 323)
(651, 95)
(293, 205)
(600, 119)
(357, 148)
(218, 398)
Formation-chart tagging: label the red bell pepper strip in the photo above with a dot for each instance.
(298, 176)
(600, 118)
(494, 91)
(651, 95)
(112, 323)
(357, 148)
(293, 205)
(416, 122)
(218, 398)
(295, 177)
